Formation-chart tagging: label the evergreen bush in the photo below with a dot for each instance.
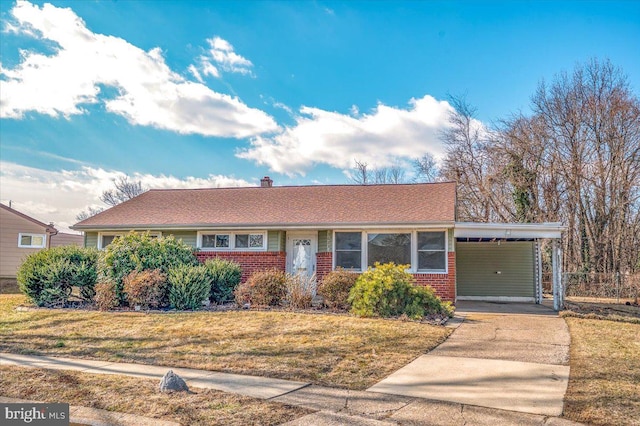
(388, 290)
(225, 277)
(48, 276)
(189, 286)
(139, 252)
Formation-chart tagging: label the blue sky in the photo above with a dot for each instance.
(192, 94)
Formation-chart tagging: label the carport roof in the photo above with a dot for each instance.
(508, 231)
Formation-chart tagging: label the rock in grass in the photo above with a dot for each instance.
(171, 382)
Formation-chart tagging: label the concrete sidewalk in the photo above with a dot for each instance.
(256, 387)
(334, 406)
(507, 356)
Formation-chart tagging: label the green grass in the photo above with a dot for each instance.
(331, 350)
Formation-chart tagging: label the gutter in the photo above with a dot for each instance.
(271, 226)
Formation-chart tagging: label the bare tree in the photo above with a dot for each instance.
(426, 169)
(124, 190)
(363, 175)
(360, 175)
(591, 118)
(86, 214)
(470, 162)
(575, 159)
(396, 175)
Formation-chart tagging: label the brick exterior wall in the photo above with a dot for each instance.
(324, 264)
(443, 284)
(250, 261)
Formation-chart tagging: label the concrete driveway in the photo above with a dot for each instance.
(510, 356)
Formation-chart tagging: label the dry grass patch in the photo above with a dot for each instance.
(602, 310)
(141, 397)
(331, 350)
(604, 383)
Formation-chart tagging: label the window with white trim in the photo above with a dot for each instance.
(348, 250)
(424, 251)
(432, 251)
(32, 240)
(232, 240)
(385, 248)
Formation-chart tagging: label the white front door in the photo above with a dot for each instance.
(301, 253)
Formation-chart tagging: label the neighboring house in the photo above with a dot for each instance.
(66, 239)
(315, 229)
(21, 235)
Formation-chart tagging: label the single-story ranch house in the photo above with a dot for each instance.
(315, 229)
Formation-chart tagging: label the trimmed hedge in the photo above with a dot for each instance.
(47, 277)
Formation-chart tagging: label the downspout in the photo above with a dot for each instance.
(51, 231)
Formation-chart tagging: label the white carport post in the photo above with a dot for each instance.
(538, 261)
(556, 265)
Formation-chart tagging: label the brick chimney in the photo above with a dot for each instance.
(266, 182)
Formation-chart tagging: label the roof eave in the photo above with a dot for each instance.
(268, 226)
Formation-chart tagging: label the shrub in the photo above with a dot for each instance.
(300, 289)
(189, 286)
(48, 277)
(381, 291)
(264, 288)
(105, 297)
(139, 252)
(387, 290)
(225, 277)
(424, 301)
(145, 288)
(335, 288)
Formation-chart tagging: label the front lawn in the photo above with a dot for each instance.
(325, 349)
(141, 397)
(604, 383)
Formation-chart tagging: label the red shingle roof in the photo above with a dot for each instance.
(283, 205)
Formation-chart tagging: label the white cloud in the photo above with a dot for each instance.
(58, 196)
(386, 136)
(194, 71)
(149, 92)
(223, 54)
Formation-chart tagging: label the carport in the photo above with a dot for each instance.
(503, 261)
